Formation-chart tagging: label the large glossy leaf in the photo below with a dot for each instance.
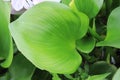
(6, 51)
(86, 44)
(117, 75)
(21, 68)
(46, 35)
(113, 30)
(89, 7)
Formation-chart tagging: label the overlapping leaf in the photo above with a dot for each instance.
(102, 67)
(46, 34)
(117, 75)
(86, 44)
(98, 77)
(55, 77)
(89, 7)
(21, 68)
(113, 30)
(6, 52)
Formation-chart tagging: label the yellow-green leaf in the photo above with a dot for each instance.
(89, 7)
(6, 50)
(86, 44)
(117, 75)
(46, 35)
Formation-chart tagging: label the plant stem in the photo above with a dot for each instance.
(96, 35)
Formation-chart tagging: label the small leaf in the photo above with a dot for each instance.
(102, 67)
(21, 68)
(48, 40)
(55, 77)
(117, 75)
(98, 77)
(89, 7)
(113, 30)
(86, 44)
(69, 76)
(6, 50)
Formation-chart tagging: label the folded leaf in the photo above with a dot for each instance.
(46, 35)
(6, 50)
(86, 44)
(113, 30)
(89, 7)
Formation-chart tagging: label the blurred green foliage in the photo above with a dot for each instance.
(98, 42)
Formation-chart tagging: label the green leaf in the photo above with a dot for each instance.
(6, 50)
(86, 44)
(69, 76)
(89, 7)
(113, 30)
(84, 20)
(21, 68)
(47, 36)
(98, 77)
(102, 67)
(55, 77)
(117, 75)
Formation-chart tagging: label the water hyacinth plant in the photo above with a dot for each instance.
(59, 40)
